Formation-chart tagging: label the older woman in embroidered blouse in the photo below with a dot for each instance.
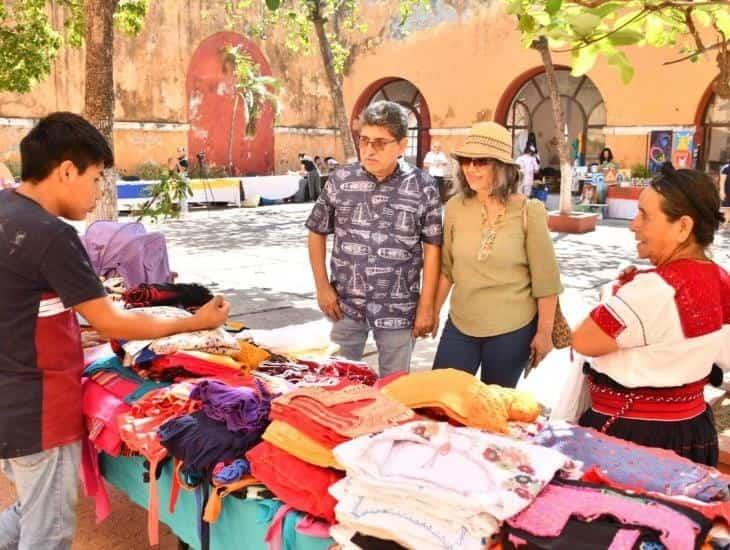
(654, 341)
(498, 256)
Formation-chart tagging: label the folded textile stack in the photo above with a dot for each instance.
(583, 516)
(462, 398)
(296, 462)
(477, 480)
(230, 423)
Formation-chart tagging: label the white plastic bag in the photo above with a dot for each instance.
(575, 398)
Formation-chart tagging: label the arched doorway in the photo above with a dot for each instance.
(713, 131)
(216, 122)
(526, 108)
(419, 118)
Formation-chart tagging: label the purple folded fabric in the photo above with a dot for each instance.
(241, 408)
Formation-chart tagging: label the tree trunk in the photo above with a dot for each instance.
(99, 89)
(335, 83)
(566, 168)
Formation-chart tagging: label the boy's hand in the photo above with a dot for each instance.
(213, 314)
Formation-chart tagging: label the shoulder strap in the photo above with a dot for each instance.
(524, 215)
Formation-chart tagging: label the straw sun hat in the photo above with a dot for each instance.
(487, 140)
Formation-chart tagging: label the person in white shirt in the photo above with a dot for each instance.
(437, 164)
(529, 166)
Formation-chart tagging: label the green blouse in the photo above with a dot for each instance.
(497, 295)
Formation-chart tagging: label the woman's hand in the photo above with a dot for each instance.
(541, 345)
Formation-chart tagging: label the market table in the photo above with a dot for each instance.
(271, 187)
(134, 194)
(623, 202)
(240, 520)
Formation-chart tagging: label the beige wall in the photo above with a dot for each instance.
(462, 67)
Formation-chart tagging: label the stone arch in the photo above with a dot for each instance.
(525, 107)
(216, 122)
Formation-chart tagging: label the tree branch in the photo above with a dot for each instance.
(591, 4)
(694, 54)
(693, 29)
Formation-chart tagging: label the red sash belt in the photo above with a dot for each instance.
(662, 404)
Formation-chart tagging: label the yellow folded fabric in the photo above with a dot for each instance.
(300, 445)
(250, 355)
(464, 398)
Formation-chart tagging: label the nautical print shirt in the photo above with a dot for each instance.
(379, 229)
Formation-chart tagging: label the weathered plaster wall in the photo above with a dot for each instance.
(461, 58)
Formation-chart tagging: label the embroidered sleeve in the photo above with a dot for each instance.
(640, 313)
(607, 321)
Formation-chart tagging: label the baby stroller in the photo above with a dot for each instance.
(126, 250)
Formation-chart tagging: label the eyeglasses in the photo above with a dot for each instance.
(477, 163)
(377, 144)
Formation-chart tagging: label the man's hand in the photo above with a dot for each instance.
(329, 302)
(213, 314)
(425, 321)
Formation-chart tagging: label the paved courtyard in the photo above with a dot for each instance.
(257, 258)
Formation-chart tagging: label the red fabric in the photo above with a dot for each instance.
(607, 322)
(306, 425)
(194, 365)
(681, 403)
(102, 406)
(299, 484)
(60, 358)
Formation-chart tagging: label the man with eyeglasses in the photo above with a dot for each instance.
(386, 218)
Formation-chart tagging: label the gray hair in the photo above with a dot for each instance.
(506, 180)
(387, 114)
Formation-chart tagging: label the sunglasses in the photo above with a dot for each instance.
(377, 144)
(477, 163)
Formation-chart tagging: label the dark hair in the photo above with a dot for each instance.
(317, 158)
(387, 114)
(59, 137)
(507, 180)
(690, 193)
(610, 155)
(327, 159)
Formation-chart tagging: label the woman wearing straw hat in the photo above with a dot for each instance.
(499, 258)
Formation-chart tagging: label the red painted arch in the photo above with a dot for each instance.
(502, 111)
(424, 117)
(210, 92)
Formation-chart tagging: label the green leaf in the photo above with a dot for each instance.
(609, 8)
(655, 35)
(553, 6)
(722, 18)
(583, 60)
(702, 17)
(273, 5)
(526, 24)
(621, 62)
(625, 37)
(583, 23)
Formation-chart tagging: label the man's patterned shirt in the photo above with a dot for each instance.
(379, 229)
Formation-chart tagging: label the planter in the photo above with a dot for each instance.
(575, 222)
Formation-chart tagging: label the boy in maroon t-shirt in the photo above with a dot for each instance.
(45, 277)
